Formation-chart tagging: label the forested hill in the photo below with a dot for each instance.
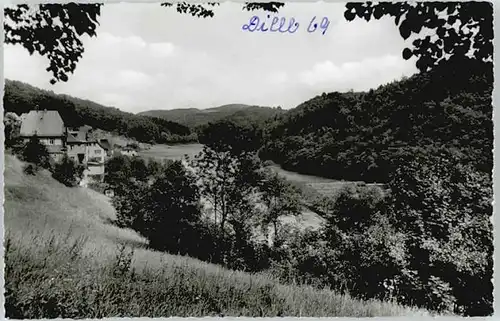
(357, 136)
(240, 113)
(20, 97)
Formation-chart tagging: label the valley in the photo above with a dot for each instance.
(63, 237)
(339, 176)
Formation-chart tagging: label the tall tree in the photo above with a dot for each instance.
(171, 210)
(281, 199)
(444, 206)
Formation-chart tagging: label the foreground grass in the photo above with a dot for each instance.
(53, 277)
(63, 260)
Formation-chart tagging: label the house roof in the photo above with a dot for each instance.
(85, 128)
(72, 139)
(95, 141)
(79, 134)
(105, 144)
(44, 123)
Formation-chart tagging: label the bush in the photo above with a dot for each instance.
(29, 169)
(444, 207)
(67, 172)
(171, 210)
(36, 153)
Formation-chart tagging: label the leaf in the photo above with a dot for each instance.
(378, 12)
(407, 54)
(404, 30)
(349, 16)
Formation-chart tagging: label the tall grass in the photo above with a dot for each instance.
(63, 260)
(52, 276)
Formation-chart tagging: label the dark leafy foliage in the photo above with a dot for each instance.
(21, 98)
(266, 6)
(35, 28)
(461, 28)
(195, 10)
(12, 126)
(426, 241)
(443, 205)
(226, 135)
(360, 136)
(171, 211)
(67, 172)
(36, 153)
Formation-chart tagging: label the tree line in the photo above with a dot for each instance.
(358, 136)
(426, 240)
(423, 240)
(21, 98)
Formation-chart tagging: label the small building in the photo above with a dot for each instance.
(76, 148)
(129, 151)
(96, 156)
(81, 133)
(107, 147)
(75, 142)
(48, 126)
(95, 152)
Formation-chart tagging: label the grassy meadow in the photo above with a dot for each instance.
(312, 184)
(174, 152)
(64, 259)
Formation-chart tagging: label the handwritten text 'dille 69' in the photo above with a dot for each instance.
(284, 25)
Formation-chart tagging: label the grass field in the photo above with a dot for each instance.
(63, 259)
(325, 186)
(174, 152)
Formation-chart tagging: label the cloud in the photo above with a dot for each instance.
(17, 61)
(131, 79)
(112, 40)
(114, 99)
(277, 78)
(148, 57)
(161, 49)
(357, 75)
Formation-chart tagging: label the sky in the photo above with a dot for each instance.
(150, 57)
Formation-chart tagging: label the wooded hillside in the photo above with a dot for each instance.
(20, 97)
(193, 117)
(358, 136)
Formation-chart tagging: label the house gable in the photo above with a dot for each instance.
(42, 123)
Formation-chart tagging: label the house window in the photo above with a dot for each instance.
(51, 141)
(98, 151)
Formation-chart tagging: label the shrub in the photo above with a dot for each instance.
(171, 210)
(12, 125)
(29, 169)
(67, 172)
(36, 153)
(444, 207)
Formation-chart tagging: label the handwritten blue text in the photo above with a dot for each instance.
(277, 24)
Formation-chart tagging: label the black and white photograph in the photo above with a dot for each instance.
(241, 159)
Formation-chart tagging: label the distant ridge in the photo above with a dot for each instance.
(193, 117)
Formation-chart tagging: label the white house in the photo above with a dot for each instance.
(48, 127)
